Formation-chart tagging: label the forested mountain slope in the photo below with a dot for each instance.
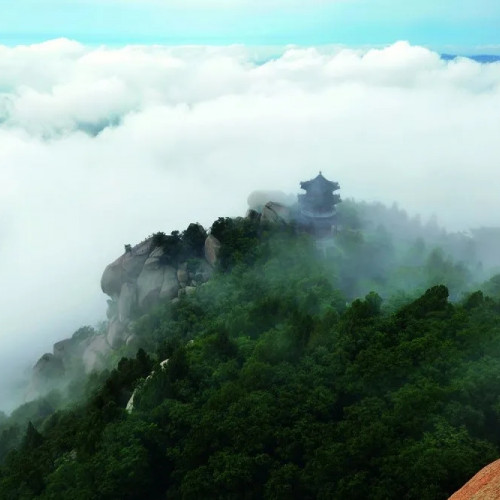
(279, 384)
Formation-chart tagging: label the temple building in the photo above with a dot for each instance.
(317, 212)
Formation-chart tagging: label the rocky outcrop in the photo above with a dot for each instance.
(485, 485)
(171, 284)
(145, 275)
(275, 213)
(136, 281)
(85, 349)
(258, 199)
(116, 333)
(125, 303)
(125, 269)
(272, 207)
(84, 352)
(149, 285)
(212, 249)
(47, 374)
(48, 367)
(94, 355)
(141, 277)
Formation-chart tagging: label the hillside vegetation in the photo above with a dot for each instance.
(281, 384)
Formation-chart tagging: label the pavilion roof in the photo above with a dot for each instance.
(320, 183)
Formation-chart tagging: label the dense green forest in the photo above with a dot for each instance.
(282, 382)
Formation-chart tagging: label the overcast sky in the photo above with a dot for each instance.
(103, 143)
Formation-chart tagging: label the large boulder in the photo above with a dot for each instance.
(204, 271)
(47, 368)
(116, 333)
(182, 274)
(170, 285)
(126, 268)
(65, 349)
(48, 373)
(275, 213)
(154, 260)
(126, 301)
(111, 280)
(149, 284)
(212, 249)
(485, 485)
(112, 310)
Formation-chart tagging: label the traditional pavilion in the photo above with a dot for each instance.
(317, 212)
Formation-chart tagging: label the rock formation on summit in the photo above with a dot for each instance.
(160, 268)
(150, 272)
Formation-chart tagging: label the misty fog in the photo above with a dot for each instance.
(100, 147)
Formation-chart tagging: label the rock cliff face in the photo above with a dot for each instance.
(145, 275)
(276, 213)
(137, 280)
(272, 207)
(485, 485)
(141, 277)
(84, 350)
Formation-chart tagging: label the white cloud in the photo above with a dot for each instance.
(101, 147)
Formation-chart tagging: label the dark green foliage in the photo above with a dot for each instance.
(239, 238)
(276, 388)
(179, 247)
(193, 239)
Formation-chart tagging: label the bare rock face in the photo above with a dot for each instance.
(485, 485)
(125, 268)
(149, 285)
(276, 213)
(183, 275)
(48, 367)
(135, 281)
(116, 333)
(94, 355)
(65, 349)
(141, 278)
(111, 281)
(154, 260)
(54, 370)
(212, 249)
(157, 252)
(126, 301)
(48, 373)
(204, 271)
(170, 285)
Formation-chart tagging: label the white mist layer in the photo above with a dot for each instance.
(102, 147)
